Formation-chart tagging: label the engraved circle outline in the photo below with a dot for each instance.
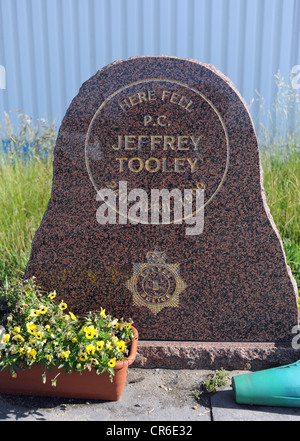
(182, 84)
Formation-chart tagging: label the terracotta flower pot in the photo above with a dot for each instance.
(87, 385)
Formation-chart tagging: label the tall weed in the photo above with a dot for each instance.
(25, 186)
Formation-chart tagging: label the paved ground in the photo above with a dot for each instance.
(149, 395)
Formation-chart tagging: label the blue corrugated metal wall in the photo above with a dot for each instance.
(50, 47)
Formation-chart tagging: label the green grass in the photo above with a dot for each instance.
(292, 252)
(24, 194)
(282, 186)
(25, 188)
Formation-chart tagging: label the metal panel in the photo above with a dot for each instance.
(50, 47)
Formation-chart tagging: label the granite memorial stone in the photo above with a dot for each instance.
(158, 211)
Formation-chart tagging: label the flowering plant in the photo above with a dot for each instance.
(40, 329)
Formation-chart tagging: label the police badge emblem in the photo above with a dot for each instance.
(156, 284)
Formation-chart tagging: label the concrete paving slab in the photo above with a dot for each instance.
(161, 395)
(149, 395)
(224, 408)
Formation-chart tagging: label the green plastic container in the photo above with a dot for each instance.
(271, 387)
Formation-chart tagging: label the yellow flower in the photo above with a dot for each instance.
(31, 353)
(62, 306)
(100, 345)
(49, 357)
(47, 328)
(67, 317)
(90, 332)
(120, 346)
(43, 309)
(102, 313)
(52, 295)
(5, 338)
(83, 356)
(90, 349)
(112, 362)
(39, 334)
(94, 361)
(18, 337)
(113, 324)
(74, 340)
(22, 350)
(65, 355)
(31, 327)
(17, 329)
(109, 345)
(34, 312)
(73, 317)
(128, 325)
(32, 332)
